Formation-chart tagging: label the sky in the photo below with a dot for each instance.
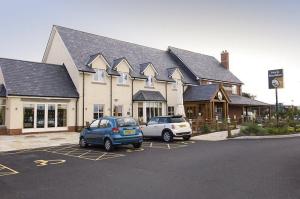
(260, 35)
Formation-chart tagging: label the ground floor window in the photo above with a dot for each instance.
(2, 111)
(44, 115)
(98, 111)
(171, 110)
(118, 110)
(153, 109)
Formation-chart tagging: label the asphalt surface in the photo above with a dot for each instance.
(231, 169)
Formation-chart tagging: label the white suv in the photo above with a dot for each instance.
(168, 127)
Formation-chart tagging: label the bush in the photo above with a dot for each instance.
(253, 129)
(205, 129)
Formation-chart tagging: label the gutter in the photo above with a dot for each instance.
(111, 96)
(132, 97)
(166, 87)
(83, 99)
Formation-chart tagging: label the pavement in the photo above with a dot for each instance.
(31, 141)
(216, 136)
(231, 169)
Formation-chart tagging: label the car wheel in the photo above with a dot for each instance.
(186, 138)
(167, 136)
(108, 145)
(137, 145)
(82, 143)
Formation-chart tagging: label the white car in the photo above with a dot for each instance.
(168, 127)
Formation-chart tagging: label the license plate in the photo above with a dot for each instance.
(129, 132)
(182, 125)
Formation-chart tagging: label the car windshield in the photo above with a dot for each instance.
(177, 120)
(124, 122)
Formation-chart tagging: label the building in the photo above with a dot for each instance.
(85, 76)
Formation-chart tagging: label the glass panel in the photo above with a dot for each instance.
(51, 115)
(28, 116)
(40, 116)
(61, 115)
(2, 115)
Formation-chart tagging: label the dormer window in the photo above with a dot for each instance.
(99, 76)
(234, 89)
(149, 81)
(123, 79)
(175, 85)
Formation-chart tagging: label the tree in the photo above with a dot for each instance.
(248, 95)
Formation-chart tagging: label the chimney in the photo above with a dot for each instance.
(225, 59)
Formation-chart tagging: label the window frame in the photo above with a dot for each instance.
(171, 112)
(98, 112)
(149, 77)
(96, 75)
(123, 79)
(3, 105)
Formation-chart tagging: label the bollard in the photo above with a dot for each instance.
(228, 128)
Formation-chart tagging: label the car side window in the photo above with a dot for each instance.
(153, 121)
(95, 124)
(104, 123)
(163, 120)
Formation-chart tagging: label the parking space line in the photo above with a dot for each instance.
(4, 171)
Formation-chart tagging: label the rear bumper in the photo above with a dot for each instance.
(127, 140)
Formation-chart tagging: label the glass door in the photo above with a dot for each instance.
(51, 115)
(40, 116)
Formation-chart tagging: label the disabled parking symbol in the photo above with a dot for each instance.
(41, 163)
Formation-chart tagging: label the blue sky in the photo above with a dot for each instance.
(259, 35)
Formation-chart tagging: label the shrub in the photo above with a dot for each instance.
(253, 129)
(205, 129)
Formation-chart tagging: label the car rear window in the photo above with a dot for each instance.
(177, 120)
(125, 122)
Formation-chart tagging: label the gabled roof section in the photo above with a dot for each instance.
(81, 45)
(245, 101)
(144, 95)
(201, 93)
(204, 66)
(116, 62)
(171, 71)
(93, 57)
(144, 66)
(24, 78)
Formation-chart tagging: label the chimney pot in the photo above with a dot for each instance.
(225, 59)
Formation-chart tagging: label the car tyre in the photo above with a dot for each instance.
(82, 143)
(186, 138)
(167, 136)
(108, 146)
(137, 145)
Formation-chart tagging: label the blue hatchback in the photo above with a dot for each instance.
(112, 131)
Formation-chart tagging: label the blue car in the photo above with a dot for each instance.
(112, 131)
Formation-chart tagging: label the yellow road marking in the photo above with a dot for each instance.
(4, 171)
(41, 163)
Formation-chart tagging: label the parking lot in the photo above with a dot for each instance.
(226, 169)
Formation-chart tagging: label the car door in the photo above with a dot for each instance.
(151, 128)
(90, 134)
(104, 129)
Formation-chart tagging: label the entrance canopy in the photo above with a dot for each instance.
(144, 95)
(245, 101)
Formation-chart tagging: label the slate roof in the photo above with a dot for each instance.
(204, 66)
(24, 78)
(144, 95)
(2, 91)
(82, 45)
(240, 100)
(200, 93)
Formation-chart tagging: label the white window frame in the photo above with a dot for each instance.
(99, 76)
(4, 107)
(98, 110)
(122, 78)
(149, 81)
(234, 89)
(171, 112)
(46, 128)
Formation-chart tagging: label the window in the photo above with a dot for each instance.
(163, 120)
(149, 81)
(153, 121)
(51, 115)
(123, 79)
(2, 111)
(61, 115)
(171, 110)
(126, 122)
(95, 124)
(98, 111)
(118, 110)
(28, 121)
(234, 90)
(99, 76)
(175, 85)
(104, 123)
(40, 116)
(153, 109)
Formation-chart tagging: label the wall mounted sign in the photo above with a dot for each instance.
(275, 78)
(220, 96)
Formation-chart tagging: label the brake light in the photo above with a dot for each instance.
(115, 130)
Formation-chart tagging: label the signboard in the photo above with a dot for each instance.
(275, 78)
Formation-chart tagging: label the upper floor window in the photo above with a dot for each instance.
(99, 76)
(123, 79)
(171, 110)
(118, 110)
(175, 85)
(234, 89)
(149, 81)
